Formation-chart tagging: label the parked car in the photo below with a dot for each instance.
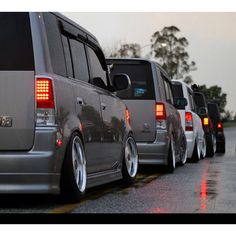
(214, 113)
(154, 119)
(191, 122)
(207, 124)
(62, 129)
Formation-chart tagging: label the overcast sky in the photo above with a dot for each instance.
(211, 36)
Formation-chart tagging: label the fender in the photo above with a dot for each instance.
(71, 125)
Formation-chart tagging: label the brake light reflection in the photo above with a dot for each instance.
(127, 115)
(158, 210)
(203, 194)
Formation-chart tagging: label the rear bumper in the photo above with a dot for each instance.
(34, 171)
(155, 152)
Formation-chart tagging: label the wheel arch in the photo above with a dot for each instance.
(71, 126)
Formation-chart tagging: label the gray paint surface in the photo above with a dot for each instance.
(29, 159)
(153, 144)
(17, 100)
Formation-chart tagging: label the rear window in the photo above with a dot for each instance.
(213, 110)
(141, 78)
(16, 50)
(177, 90)
(199, 100)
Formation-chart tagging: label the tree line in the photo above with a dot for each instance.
(169, 49)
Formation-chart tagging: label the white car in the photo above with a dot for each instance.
(191, 122)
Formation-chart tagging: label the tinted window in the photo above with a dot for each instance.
(141, 80)
(96, 70)
(16, 50)
(55, 44)
(199, 100)
(79, 60)
(171, 94)
(190, 96)
(177, 90)
(162, 87)
(67, 53)
(168, 91)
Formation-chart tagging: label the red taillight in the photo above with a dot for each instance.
(59, 143)
(160, 111)
(205, 121)
(188, 121)
(44, 93)
(219, 125)
(127, 115)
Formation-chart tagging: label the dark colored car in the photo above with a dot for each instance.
(214, 113)
(202, 111)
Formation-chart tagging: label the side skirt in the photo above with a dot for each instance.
(103, 177)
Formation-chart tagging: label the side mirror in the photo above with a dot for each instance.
(181, 103)
(121, 82)
(202, 111)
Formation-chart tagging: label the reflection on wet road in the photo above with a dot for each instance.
(208, 186)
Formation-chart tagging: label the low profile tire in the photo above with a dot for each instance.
(196, 156)
(203, 151)
(211, 146)
(130, 161)
(74, 174)
(171, 157)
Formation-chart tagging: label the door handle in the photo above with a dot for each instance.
(80, 101)
(104, 106)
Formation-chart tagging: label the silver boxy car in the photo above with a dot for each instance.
(154, 119)
(62, 129)
(191, 122)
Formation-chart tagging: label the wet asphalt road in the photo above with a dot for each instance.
(208, 186)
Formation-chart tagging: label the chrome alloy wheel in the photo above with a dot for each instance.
(214, 143)
(204, 147)
(184, 153)
(173, 152)
(198, 149)
(131, 157)
(79, 164)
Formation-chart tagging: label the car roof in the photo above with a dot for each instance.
(180, 81)
(94, 39)
(212, 104)
(200, 93)
(139, 60)
(87, 36)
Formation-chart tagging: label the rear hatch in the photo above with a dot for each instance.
(140, 98)
(17, 83)
(214, 114)
(200, 101)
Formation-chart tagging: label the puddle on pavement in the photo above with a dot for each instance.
(208, 188)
